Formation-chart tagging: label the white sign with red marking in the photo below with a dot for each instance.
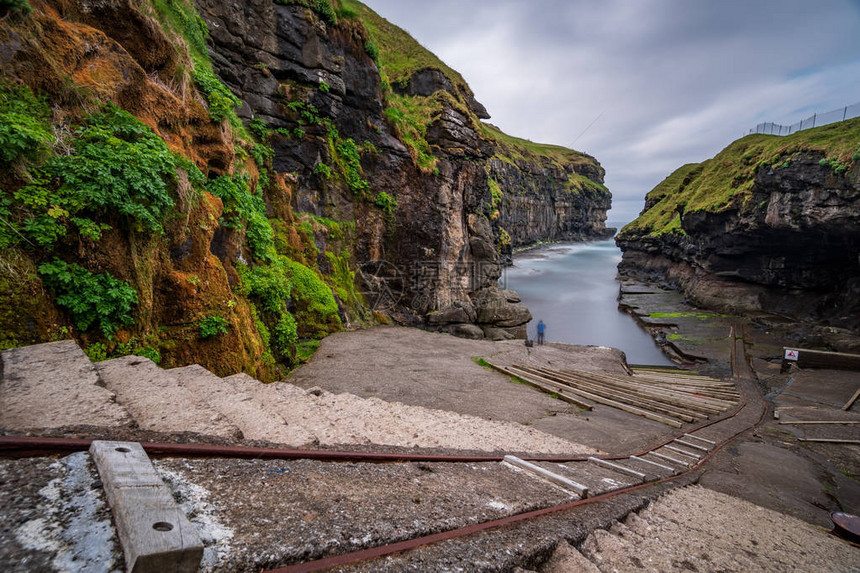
(791, 354)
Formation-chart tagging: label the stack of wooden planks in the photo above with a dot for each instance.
(670, 397)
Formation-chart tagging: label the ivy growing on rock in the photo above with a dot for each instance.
(117, 166)
(25, 128)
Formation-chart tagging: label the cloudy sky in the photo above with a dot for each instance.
(667, 81)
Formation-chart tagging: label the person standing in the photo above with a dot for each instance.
(541, 327)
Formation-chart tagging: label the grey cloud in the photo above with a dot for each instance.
(677, 80)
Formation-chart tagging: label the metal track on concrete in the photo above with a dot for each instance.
(30, 446)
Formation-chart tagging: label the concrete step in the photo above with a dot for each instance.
(157, 401)
(245, 402)
(53, 385)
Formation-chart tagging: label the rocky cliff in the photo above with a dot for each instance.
(768, 225)
(545, 192)
(225, 183)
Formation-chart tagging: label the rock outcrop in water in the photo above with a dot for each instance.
(769, 225)
(309, 178)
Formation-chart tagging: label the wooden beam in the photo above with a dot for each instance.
(154, 532)
(691, 445)
(683, 452)
(654, 405)
(850, 402)
(693, 406)
(630, 382)
(655, 464)
(628, 389)
(707, 441)
(580, 489)
(555, 389)
(670, 459)
(621, 406)
(617, 468)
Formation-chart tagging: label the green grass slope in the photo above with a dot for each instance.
(399, 56)
(726, 180)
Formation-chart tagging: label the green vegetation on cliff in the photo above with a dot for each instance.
(400, 56)
(726, 181)
(92, 299)
(514, 150)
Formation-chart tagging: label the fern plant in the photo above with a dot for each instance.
(213, 326)
(91, 299)
(119, 165)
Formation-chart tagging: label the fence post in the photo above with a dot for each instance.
(813, 119)
(844, 113)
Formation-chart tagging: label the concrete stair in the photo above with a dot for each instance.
(158, 401)
(53, 385)
(246, 401)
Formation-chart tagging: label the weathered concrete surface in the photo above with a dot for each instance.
(52, 385)
(695, 529)
(437, 371)
(157, 401)
(283, 512)
(54, 517)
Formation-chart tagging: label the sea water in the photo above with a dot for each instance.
(572, 288)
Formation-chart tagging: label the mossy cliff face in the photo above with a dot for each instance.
(769, 224)
(310, 177)
(546, 193)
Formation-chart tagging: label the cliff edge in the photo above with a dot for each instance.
(770, 224)
(228, 183)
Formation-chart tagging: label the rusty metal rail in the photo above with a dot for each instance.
(26, 446)
(738, 366)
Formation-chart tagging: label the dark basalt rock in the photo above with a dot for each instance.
(536, 207)
(792, 248)
(439, 239)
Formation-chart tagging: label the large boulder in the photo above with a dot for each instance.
(494, 309)
(457, 312)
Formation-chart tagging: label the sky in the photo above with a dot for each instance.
(645, 86)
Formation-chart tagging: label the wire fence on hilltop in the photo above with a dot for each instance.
(817, 120)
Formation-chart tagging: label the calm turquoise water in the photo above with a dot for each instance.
(572, 288)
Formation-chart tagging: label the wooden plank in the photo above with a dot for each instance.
(580, 489)
(543, 386)
(829, 440)
(689, 407)
(802, 422)
(154, 532)
(824, 360)
(623, 393)
(684, 398)
(707, 441)
(626, 407)
(653, 405)
(684, 452)
(617, 468)
(670, 459)
(850, 402)
(655, 464)
(691, 445)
